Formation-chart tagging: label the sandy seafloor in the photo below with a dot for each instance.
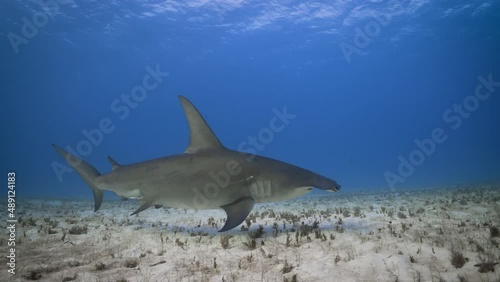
(400, 236)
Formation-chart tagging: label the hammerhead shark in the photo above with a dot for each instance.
(206, 176)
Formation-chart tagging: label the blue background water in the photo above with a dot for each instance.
(236, 61)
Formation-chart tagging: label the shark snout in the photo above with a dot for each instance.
(334, 188)
(325, 184)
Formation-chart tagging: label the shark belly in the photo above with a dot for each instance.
(202, 182)
(204, 193)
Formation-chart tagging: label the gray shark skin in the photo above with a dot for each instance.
(205, 176)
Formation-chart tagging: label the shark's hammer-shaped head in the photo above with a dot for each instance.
(325, 183)
(300, 178)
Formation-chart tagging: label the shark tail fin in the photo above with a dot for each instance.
(86, 171)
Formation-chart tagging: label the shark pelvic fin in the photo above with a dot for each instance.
(158, 206)
(202, 138)
(237, 212)
(113, 163)
(144, 206)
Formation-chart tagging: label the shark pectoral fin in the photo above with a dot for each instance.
(144, 206)
(237, 212)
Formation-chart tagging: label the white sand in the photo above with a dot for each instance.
(370, 245)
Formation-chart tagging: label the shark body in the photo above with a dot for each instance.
(206, 176)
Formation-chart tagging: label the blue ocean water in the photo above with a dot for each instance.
(384, 94)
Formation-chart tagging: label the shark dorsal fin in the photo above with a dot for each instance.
(202, 138)
(113, 163)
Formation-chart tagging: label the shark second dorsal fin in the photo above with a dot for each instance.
(113, 163)
(202, 138)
